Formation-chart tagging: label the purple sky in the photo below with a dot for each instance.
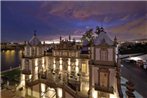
(125, 19)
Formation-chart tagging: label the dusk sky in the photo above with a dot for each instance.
(124, 19)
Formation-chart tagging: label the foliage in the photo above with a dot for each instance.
(88, 36)
(11, 76)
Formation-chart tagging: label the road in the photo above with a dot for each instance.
(137, 75)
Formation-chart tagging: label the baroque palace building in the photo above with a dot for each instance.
(70, 69)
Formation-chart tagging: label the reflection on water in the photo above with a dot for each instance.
(10, 58)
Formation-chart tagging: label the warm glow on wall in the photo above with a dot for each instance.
(77, 69)
(42, 90)
(54, 66)
(84, 86)
(94, 94)
(36, 62)
(22, 80)
(59, 92)
(77, 62)
(113, 95)
(42, 60)
(43, 66)
(36, 73)
(54, 60)
(84, 68)
(69, 68)
(69, 61)
(60, 61)
(60, 67)
(30, 77)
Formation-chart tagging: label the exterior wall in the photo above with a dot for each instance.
(110, 54)
(95, 74)
(67, 95)
(36, 91)
(47, 62)
(116, 52)
(94, 93)
(112, 77)
(92, 53)
(30, 52)
(30, 64)
(38, 49)
(84, 87)
(23, 64)
(97, 54)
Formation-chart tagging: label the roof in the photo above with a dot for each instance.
(34, 41)
(103, 38)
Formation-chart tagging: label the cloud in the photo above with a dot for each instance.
(131, 30)
(53, 18)
(85, 10)
(125, 17)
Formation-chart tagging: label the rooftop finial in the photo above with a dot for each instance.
(69, 37)
(60, 38)
(115, 38)
(115, 41)
(35, 32)
(97, 30)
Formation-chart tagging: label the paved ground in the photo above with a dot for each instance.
(124, 89)
(137, 75)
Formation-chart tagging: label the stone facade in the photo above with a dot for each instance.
(70, 69)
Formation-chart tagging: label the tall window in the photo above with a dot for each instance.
(84, 68)
(27, 64)
(104, 55)
(103, 79)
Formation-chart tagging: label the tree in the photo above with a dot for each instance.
(88, 36)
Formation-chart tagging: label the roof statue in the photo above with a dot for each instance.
(69, 38)
(60, 38)
(102, 37)
(98, 30)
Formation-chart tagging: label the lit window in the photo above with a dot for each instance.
(84, 68)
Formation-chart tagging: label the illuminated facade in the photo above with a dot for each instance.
(70, 70)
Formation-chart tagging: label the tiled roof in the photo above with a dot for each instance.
(34, 41)
(103, 38)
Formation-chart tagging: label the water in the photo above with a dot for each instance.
(10, 59)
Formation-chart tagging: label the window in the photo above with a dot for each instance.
(73, 54)
(27, 64)
(57, 53)
(104, 55)
(84, 68)
(103, 79)
(65, 53)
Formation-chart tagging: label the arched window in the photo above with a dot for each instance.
(103, 54)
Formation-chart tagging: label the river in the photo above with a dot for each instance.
(10, 59)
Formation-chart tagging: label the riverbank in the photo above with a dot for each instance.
(10, 78)
(10, 69)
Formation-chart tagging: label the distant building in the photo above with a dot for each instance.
(70, 70)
